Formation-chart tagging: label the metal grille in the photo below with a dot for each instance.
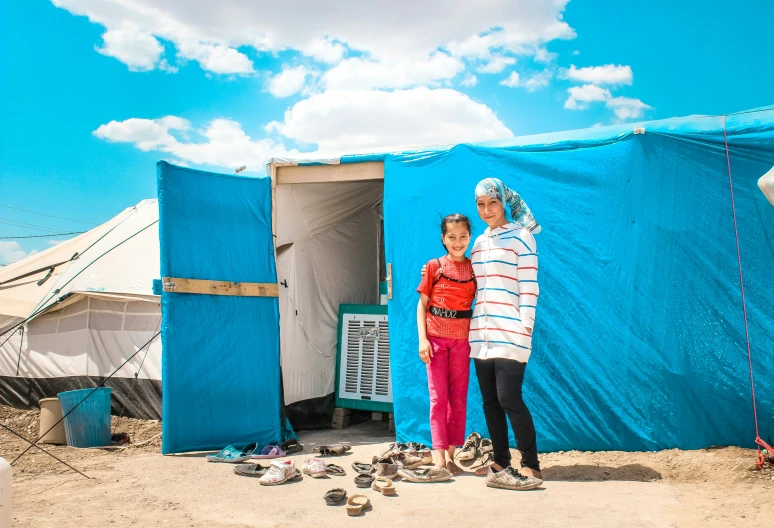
(365, 367)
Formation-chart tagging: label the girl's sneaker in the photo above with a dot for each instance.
(314, 467)
(278, 473)
(511, 479)
(469, 451)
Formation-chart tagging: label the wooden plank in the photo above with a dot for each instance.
(369, 170)
(210, 287)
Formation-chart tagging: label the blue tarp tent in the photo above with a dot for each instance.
(640, 336)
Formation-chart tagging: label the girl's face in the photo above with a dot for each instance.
(456, 239)
(491, 211)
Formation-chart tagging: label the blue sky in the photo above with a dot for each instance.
(94, 92)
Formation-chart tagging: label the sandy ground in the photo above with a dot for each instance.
(138, 486)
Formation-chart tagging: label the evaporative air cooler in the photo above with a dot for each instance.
(363, 378)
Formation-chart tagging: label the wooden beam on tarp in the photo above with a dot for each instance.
(211, 287)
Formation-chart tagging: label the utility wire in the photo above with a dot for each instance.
(50, 216)
(42, 236)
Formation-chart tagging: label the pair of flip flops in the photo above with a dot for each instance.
(332, 450)
(232, 455)
(363, 468)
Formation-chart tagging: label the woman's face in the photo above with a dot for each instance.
(491, 211)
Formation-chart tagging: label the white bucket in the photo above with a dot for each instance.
(6, 479)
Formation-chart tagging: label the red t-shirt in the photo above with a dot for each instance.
(441, 326)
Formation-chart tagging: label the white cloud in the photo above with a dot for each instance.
(576, 52)
(365, 74)
(347, 120)
(497, 64)
(512, 81)
(323, 50)
(581, 96)
(225, 143)
(538, 80)
(469, 80)
(543, 55)
(627, 108)
(288, 82)
(216, 58)
(211, 32)
(607, 74)
(624, 107)
(11, 251)
(140, 51)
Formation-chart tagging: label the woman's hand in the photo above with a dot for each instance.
(424, 269)
(425, 351)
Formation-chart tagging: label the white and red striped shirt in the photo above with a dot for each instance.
(505, 262)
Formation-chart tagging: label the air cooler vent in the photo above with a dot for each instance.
(365, 361)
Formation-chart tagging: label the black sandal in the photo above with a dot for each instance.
(364, 481)
(362, 468)
(291, 446)
(250, 470)
(333, 469)
(335, 496)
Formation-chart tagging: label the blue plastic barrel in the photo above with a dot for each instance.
(89, 424)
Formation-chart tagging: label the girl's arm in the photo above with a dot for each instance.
(425, 350)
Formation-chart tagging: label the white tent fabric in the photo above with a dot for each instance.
(89, 315)
(328, 239)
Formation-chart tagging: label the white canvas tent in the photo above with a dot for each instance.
(79, 310)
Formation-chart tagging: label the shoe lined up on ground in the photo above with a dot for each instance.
(386, 467)
(469, 450)
(335, 496)
(332, 450)
(510, 478)
(364, 481)
(425, 474)
(314, 467)
(357, 504)
(232, 455)
(279, 472)
(250, 470)
(383, 486)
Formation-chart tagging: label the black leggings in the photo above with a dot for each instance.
(500, 381)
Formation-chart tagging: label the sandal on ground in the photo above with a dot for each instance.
(364, 481)
(232, 455)
(335, 496)
(270, 451)
(333, 469)
(250, 470)
(363, 468)
(291, 446)
(383, 486)
(357, 504)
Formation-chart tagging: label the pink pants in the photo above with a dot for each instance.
(447, 377)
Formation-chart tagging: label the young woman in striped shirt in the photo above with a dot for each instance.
(504, 260)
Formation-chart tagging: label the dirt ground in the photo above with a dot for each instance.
(137, 486)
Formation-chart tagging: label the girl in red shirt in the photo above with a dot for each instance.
(445, 307)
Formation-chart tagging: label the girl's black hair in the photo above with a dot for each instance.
(456, 218)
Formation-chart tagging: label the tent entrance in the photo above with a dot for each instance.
(330, 251)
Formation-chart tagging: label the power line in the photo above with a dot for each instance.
(43, 236)
(16, 223)
(50, 216)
